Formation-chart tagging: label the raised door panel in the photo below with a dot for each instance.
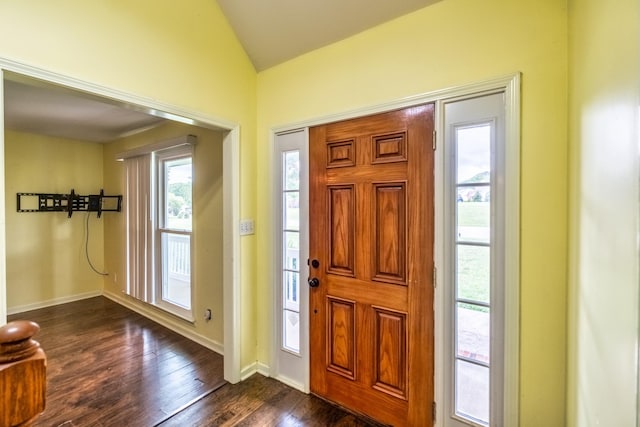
(341, 217)
(389, 231)
(341, 337)
(389, 148)
(341, 154)
(390, 352)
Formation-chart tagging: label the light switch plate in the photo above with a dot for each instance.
(246, 227)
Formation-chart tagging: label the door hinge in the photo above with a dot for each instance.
(433, 411)
(433, 143)
(435, 277)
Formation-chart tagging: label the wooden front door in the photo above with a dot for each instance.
(371, 251)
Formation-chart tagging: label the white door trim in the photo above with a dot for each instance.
(231, 193)
(3, 222)
(510, 85)
(292, 370)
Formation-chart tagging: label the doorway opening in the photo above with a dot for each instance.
(38, 80)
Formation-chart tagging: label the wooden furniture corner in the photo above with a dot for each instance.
(23, 375)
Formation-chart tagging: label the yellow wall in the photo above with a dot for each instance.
(188, 56)
(182, 54)
(604, 134)
(46, 251)
(450, 43)
(207, 223)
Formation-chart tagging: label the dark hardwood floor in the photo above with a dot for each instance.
(109, 366)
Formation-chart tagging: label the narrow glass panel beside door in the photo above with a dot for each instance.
(473, 146)
(472, 392)
(291, 251)
(473, 333)
(292, 330)
(473, 217)
(291, 210)
(290, 362)
(473, 272)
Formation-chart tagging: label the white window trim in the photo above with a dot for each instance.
(511, 268)
(496, 246)
(288, 367)
(158, 157)
(156, 147)
(150, 290)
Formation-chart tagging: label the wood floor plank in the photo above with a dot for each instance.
(110, 367)
(260, 401)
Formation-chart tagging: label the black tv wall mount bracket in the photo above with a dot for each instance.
(70, 203)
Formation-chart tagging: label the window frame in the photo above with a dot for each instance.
(290, 367)
(159, 160)
(296, 270)
(503, 263)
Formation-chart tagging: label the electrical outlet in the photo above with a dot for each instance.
(207, 314)
(246, 227)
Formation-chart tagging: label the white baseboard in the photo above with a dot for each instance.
(264, 369)
(256, 367)
(56, 301)
(248, 370)
(291, 383)
(158, 317)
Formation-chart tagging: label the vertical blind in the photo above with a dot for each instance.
(139, 217)
(139, 199)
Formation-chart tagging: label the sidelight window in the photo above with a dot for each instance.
(291, 250)
(475, 261)
(291, 292)
(473, 271)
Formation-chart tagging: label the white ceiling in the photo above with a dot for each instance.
(46, 109)
(271, 31)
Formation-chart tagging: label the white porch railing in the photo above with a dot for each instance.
(178, 256)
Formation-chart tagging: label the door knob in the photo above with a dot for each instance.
(313, 282)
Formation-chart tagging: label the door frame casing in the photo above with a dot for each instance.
(301, 382)
(231, 195)
(510, 85)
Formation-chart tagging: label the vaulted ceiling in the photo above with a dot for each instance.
(271, 32)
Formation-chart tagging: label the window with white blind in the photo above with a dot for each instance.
(159, 208)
